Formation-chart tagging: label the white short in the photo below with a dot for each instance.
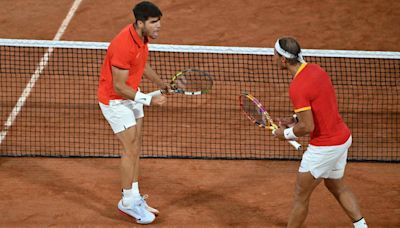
(325, 161)
(122, 114)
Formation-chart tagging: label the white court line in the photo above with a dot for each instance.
(39, 69)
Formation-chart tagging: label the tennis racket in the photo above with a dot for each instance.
(256, 112)
(189, 82)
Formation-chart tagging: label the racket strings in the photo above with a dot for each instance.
(254, 111)
(194, 81)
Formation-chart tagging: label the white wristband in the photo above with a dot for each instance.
(289, 134)
(143, 98)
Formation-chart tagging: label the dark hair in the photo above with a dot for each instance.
(144, 10)
(290, 45)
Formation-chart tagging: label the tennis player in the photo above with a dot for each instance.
(315, 106)
(121, 101)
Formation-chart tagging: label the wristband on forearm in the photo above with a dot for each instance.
(143, 98)
(289, 134)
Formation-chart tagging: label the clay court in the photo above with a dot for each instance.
(83, 192)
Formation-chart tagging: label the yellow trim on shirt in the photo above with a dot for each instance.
(300, 69)
(302, 109)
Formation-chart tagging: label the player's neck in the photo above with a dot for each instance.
(138, 31)
(293, 68)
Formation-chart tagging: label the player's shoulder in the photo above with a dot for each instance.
(308, 77)
(314, 71)
(123, 35)
(122, 40)
(313, 67)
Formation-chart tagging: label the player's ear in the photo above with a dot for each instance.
(139, 24)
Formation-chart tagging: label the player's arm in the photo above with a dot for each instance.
(304, 126)
(153, 76)
(120, 76)
(287, 121)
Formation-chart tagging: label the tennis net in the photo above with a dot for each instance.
(48, 103)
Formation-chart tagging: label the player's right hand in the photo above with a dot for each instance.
(285, 122)
(158, 100)
(278, 133)
(167, 89)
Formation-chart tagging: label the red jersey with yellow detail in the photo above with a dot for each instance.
(126, 51)
(312, 89)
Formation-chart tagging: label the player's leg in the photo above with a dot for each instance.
(131, 204)
(138, 111)
(138, 148)
(305, 185)
(340, 191)
(316, 164)
(139, 114)
(122, 120)
(345, 197)
(129, 155)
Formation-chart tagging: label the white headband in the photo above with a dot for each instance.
(286, 54)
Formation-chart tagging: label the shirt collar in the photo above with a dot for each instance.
(300, 69)
(136, 37)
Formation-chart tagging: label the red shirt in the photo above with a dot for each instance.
(312, 88)
(126, 51)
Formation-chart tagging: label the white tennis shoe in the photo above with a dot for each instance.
(148, 208)
(138, 211)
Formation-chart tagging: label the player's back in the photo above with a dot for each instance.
(314, 85)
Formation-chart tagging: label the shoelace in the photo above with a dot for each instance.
(143, 200)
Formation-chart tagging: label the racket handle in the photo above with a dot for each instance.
(155, 93)
(295, 144)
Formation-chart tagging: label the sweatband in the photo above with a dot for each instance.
(287, 54)
(143, 98)
(289, 134)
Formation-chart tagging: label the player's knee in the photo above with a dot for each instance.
(301, 199)
(134, 141)
(301, 194)
(129, 153)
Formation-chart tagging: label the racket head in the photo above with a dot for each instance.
(255, 111)
(192, 82)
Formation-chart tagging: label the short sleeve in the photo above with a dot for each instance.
(120, 56)
(300, 99)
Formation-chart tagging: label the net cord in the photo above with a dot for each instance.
(202, 49)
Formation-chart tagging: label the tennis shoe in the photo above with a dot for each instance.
(148, 208)
(138, 211)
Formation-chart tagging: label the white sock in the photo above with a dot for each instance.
(135, 190)
(127, 195)
(360, 223)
